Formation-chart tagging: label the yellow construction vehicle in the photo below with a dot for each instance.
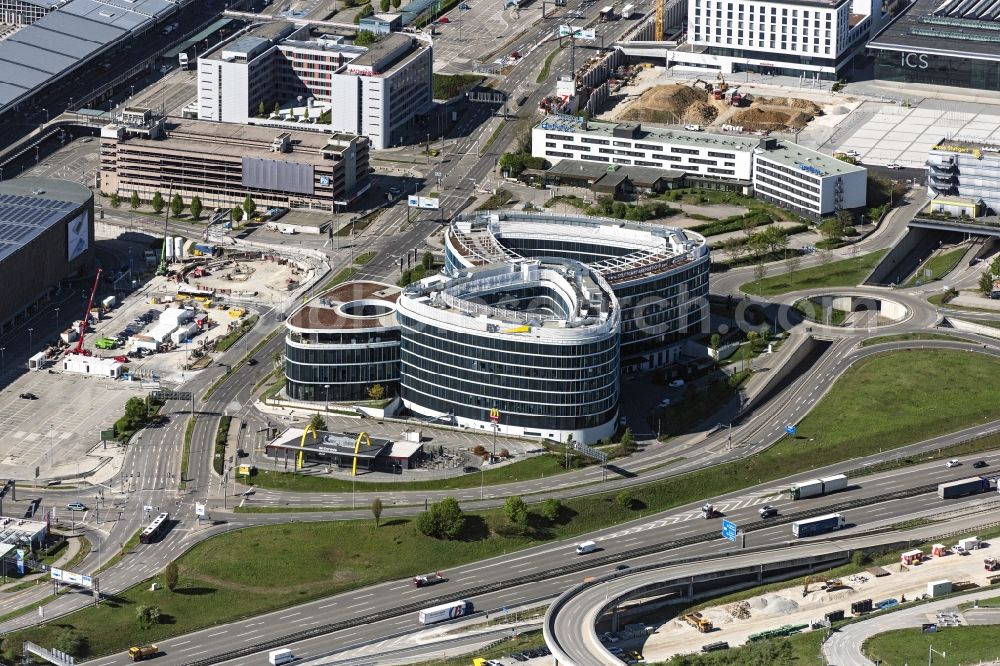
(139, 653)
(805, 587)
(702, 624)
(722, 85)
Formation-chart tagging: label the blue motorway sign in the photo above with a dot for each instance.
(729, 530)
(790, 429)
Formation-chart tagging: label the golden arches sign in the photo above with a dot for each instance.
(357, 446)
(302, 444)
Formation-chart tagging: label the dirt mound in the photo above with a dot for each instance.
(773, 604)
(792, 102)
(769, 118)
(674, 103)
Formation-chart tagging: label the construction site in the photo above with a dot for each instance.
(818, 600)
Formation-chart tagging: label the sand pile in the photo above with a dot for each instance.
(772, 604)
(806, 105)
(771, 119)
(674, 103)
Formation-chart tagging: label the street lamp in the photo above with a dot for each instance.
(46, 115)
(3, 365)
(30, 343)
(930, 654)
(57, 318)
(326, 388)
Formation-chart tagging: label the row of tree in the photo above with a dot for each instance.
(247, 209)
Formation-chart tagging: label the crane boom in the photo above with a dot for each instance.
(658, 29)
(86, 313)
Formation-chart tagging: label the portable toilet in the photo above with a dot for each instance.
(938, 550)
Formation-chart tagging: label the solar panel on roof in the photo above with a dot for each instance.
(22, 219)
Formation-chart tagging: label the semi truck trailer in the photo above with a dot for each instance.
(817, 487)
(962, 487)
(818, 525)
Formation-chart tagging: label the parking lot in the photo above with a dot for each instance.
(478, 32)
(55, 431)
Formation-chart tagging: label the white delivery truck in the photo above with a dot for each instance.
(586, 547)
(277, 657)
(627, 11)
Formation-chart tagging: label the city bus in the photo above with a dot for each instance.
(155, 529)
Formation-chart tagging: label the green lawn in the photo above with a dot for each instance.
(962, 645)
(845, 273)
(906, 337)
(523, 470)
(939, 265)
(882, 402)
(543, 73)
(798, 650)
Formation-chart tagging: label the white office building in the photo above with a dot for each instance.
(810, 183)
(805, 38)
(280, 75)
(965, 168)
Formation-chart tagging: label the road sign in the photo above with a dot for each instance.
(199, 509)
(107, 435)
(790, 429)
(244, 470)
(494, 415)
(729, 530)
(171, 395)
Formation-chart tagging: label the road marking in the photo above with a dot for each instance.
(218, 633)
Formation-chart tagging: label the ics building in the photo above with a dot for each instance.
(47, 233)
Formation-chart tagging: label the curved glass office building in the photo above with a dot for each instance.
(658, 274)
(341, 343)
(538, 341)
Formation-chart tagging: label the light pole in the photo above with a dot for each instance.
(46, 115)
(30, 336)
(931, 652)
(57, 318)
(327, 392)
(3, 365)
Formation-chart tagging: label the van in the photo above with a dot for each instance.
(289, 231)
(276, 657)
(586, 547)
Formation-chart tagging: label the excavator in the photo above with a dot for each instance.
(828, 584)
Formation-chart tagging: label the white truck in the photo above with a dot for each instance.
(627, 11)
(278, 657)
(817, 487)
(444, 612)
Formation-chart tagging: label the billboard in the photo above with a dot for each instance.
(72, 578)
(578, 33)
(77, 236)
(430, 203)
(277, 175)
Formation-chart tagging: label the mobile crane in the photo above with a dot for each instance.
(86, 317)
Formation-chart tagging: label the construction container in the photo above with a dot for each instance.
(834, 616)
(938, 588)
(184, 333)
(37, 362)
(69, 335)
(972, 543)
(911, 557)
(861, 607)
(91, 365)
(108, 303)
(938, 550)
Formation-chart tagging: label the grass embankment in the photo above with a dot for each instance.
(543, 73)
(221, 437)
(963, 645)
(233, 337)
(938, 265)
(447, 86)
(537, 467)
(186, 452)
(909, 337)
(882, 402)
(798, 650)
(845, 273)
(814, 309)
(359, 224)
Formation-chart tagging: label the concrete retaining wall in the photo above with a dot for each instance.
(972, 327)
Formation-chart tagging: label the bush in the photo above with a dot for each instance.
(624, 499)
(170, 576)
(515, 510)
(115, 201)
(550, 510)
(318, 422)
(443, 520)
(70, 641)
(367, 37)
(147, 617)
(157, 203)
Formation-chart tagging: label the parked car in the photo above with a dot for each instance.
(693, 128)
(76, 506)
(676, 383)
(664, 403)
(28, 396)
(444, 19)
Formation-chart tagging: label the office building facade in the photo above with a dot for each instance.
(966, 169)
(317, 82)
(808, 182)
(223, 163)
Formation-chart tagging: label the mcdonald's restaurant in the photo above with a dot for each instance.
(340, 450)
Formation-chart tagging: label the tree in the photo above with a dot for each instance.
(986, 283)
(277, 109)
(376, 392)
(550, 510)
(516, 510)
(625, 499)
(442, 520)
(396, 4)
(832, 229)
(135, 412)
(384, 6)
(170, 576)
(261, 109)
(248, 203)
(377, 510)
(158, 203)
(195, 207)
(70, 641)
(427, 261)
(176, 205)
(134, 201)
(276, 359)
(714, 341)
(115, 201)
(147, 617)
(365, 11)
(367, 37)
(237, 214)
(627, 441)
(793, 262)
(759, 272)
(305, 113)
(317, 422)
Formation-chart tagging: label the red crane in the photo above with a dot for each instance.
(86, 316)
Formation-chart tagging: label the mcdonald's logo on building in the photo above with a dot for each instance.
(494, 415)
